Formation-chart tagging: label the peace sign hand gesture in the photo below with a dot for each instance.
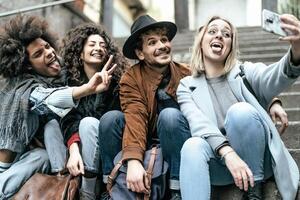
(101, 80)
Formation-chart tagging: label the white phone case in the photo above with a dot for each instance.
(271, 23)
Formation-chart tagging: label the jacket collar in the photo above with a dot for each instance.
(154, 77)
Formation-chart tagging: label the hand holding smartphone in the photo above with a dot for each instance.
(271, 23)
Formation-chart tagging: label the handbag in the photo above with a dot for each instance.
(45, 187)
(156, 169)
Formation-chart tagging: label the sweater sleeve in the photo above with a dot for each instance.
(56, 100)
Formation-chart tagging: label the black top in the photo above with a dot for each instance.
(95, 105)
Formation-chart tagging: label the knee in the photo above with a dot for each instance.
(88, 123)
(169, 113)
(241, 114)
(50, 129)
(194, 149)
(169, 116)
(88, 126)
(52, 123)
(40, 156)
(111, 119)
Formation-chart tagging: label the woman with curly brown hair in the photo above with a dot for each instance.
(31, 95)
(86, 50)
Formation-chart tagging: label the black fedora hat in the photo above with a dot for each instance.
(141, 25)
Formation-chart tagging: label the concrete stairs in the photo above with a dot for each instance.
(255, 45)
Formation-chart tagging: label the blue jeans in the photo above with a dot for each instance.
(111, 128)
(21, 170)
(172, 130)
(89, 144)
(55, 146)
(200, 167)
(89, 138)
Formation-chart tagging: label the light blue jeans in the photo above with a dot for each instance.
(200, 167)
(89, 137)
(89, 144)
(21, 170)
(55, 146)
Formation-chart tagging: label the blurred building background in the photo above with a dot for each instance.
(118, 15)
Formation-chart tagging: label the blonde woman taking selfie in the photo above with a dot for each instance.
(234, 139)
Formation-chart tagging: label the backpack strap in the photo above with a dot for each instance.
(149, 171)
(111, 178)
(246, 82)
(150, 167)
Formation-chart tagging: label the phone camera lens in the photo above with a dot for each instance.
(269, 21)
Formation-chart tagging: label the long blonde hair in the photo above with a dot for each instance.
(197, 64)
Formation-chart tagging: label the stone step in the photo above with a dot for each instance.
(291, 136)
(256, 35)
(261, 43)
(231, 192)
(188, 37)
(188, 40)
(183, 57)
(241, 34)
(293, 113)
(294, 88)
(272, 57)
(186, 56)
(264, 50)
(244, 50)
(290, 99)
(246, 29)
(243, 47)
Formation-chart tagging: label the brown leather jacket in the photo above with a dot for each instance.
(137, 95)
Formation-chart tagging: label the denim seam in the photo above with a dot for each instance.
(174, 184)
(258, 177)
(91, 169)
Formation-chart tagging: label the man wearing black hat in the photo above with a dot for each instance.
(148, 101)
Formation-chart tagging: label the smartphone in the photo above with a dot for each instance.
(271, 23)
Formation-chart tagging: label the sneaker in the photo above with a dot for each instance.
(83, 195)
(175, 195)
(254, 193)
(105, 196)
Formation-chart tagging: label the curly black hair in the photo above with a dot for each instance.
(15, 36)
(72, 47)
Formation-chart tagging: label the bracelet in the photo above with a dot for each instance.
(225, 154)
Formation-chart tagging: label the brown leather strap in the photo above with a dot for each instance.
(65, 192)
(113, 175)
(150, 170)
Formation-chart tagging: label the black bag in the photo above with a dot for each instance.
(156, 169)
